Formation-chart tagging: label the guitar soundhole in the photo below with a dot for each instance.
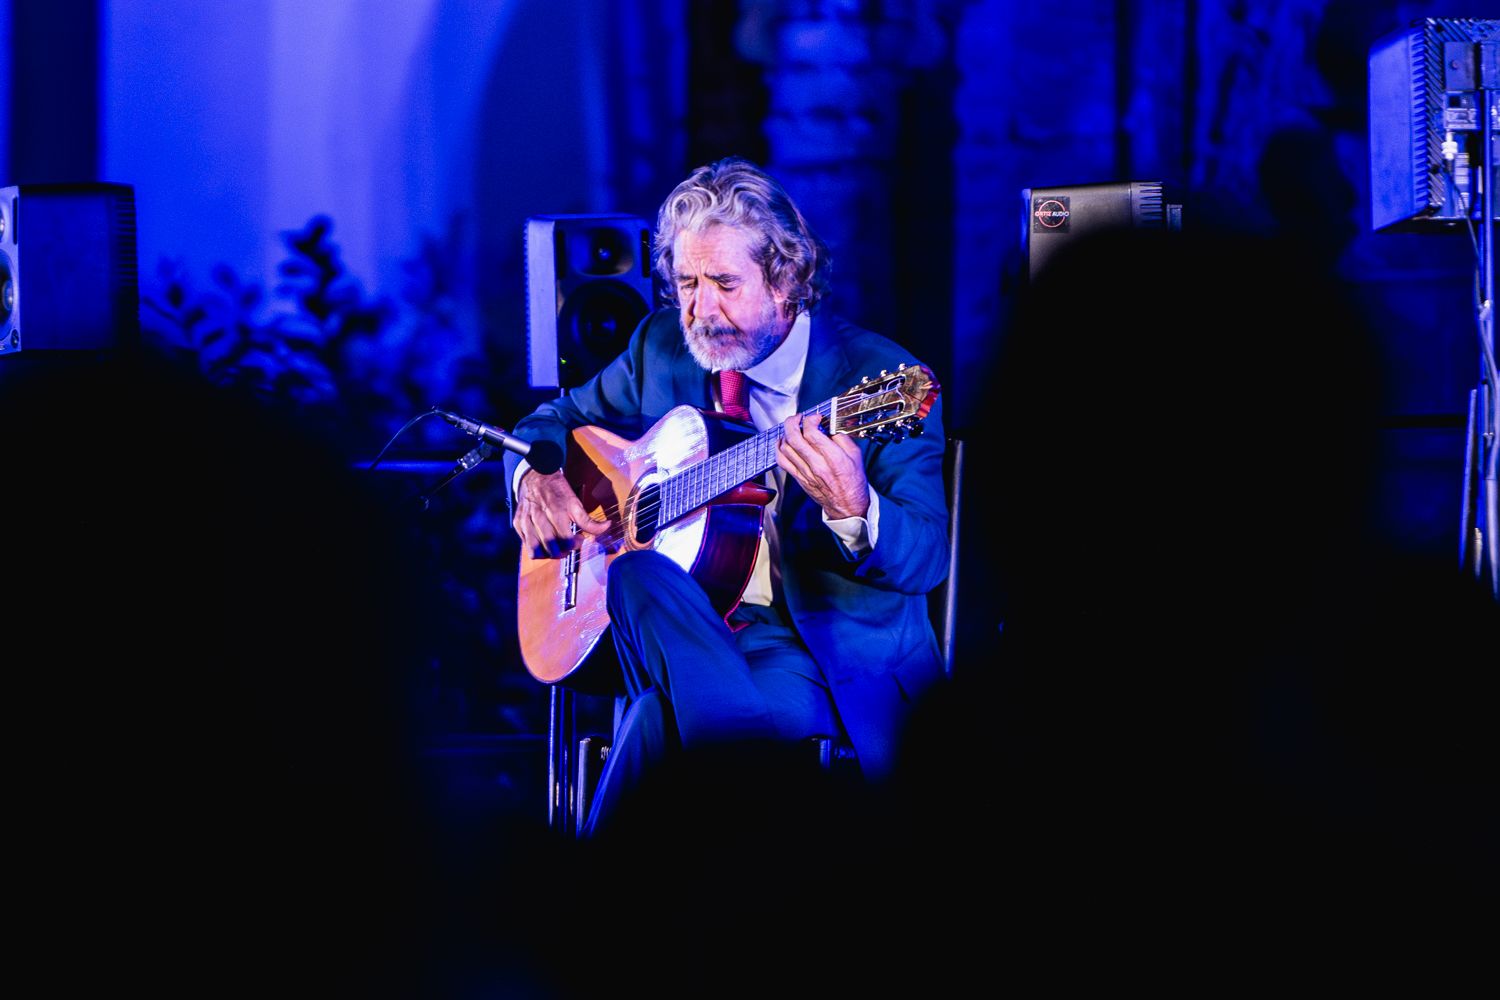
(647, 504)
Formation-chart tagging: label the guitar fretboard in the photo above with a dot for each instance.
(696, 485)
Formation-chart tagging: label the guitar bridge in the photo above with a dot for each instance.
(570, 576)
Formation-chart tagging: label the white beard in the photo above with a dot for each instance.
(716, 345)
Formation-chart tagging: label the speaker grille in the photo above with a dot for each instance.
(74, 283)
(588, 283)
(125, 268)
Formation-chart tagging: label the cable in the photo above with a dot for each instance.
(404, 428)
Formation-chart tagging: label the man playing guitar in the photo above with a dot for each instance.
(830, 632)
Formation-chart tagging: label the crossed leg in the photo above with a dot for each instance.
(692, 682)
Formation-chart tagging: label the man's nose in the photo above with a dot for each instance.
(705, 301)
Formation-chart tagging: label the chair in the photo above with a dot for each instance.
(575, 764)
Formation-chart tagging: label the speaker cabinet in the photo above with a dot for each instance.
(588, 284)
(1055, 216)
(67, 267)
(1425, 87)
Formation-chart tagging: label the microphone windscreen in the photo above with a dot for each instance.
(545, 457)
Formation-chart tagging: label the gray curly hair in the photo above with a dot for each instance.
(735, 192)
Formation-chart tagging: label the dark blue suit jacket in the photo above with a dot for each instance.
(863, 619)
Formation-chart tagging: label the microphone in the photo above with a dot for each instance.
(544, 456)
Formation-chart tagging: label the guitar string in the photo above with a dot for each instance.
(772, 436)
(615, 534)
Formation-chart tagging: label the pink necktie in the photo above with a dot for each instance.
(734, 394)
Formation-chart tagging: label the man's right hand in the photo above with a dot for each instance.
(546, 510)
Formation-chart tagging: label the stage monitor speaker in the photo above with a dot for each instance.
(588, 284)
(67, 267)
(1055, 216)
(1425, 86)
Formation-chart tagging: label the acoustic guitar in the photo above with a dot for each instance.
(685, 489)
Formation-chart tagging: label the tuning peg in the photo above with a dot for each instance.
(901, 367)
(917, 427)
(865, 380)
(883, 373)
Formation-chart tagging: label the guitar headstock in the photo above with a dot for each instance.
(889, 406)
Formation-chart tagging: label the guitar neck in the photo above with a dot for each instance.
(696, 485)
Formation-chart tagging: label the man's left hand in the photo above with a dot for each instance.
(830, 469)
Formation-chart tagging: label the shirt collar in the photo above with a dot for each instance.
(782, 371)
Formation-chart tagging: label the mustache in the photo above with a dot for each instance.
(711, 329)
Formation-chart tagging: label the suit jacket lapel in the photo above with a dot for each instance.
(827, 371)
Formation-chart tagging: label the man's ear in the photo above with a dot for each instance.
(788, 307)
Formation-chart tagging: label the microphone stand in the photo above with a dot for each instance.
(475, 455)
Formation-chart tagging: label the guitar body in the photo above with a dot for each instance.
(562, 612)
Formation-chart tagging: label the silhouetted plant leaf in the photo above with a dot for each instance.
(320, 344)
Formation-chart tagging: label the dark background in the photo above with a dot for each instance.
(331, 198)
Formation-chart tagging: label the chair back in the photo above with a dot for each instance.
(943, 602)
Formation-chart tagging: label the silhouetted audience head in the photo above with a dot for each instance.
(1215, 692)
(214, 697)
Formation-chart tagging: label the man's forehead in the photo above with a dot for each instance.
(721, 247)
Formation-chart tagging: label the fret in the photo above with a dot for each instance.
(696, 485)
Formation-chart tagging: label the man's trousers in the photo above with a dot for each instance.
(692, 682)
